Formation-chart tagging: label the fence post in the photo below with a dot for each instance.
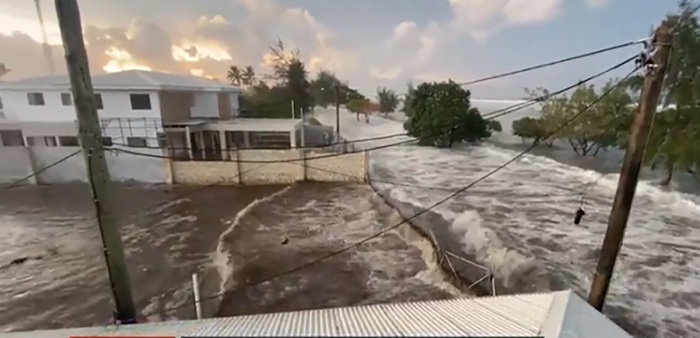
(197, 300)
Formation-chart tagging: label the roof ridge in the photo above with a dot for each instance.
(143, 74)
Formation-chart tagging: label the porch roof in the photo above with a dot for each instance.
(241, 124)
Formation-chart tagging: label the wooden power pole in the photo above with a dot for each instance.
(632, 163)
(91, 142)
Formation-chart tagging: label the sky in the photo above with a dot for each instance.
(368, 43)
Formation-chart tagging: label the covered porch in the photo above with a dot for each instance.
(203, 140)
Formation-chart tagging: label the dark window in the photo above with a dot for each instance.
(68, 141)
(12, 138)
(41, 141)
(98, 101)
(66, 99)
(107, 141)
(137, 142)
(140, 101)
(35, 99)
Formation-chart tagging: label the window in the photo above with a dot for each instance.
(11, 138)
(140, 101)
(68, 141)
(35, 99)
(107, 141)
(66, 99)
(137, 142)
(41, 141)
(98, 101)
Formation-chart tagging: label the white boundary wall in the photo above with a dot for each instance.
(18, 162)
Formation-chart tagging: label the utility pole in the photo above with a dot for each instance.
(629, 174)
(91, 142)
(337, 109)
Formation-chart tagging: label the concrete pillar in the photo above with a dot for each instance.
(225, 155)
(188, 140)
(293, 137)
(246, 139)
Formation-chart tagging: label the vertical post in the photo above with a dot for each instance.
(294, 115)
(197, 299)
(337, 110)
(98, 173)
(225, 154)
(188, 140)
(631, 166)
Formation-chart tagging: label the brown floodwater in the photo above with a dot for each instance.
(63, 281)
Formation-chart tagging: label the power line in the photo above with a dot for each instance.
(277, 161)
(531, 102)
(489, 116)
(552, 63)
(416, 215)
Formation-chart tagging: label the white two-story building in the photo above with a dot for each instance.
(132, 106)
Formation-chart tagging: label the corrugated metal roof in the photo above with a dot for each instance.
(556, 314)
(131, 79)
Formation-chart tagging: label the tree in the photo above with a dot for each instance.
(323, 88)
(388, 100)
(530, 128)
(408, 97)
(675, 135)
(3, 70)
(289, 71)
(263, 101)
(248, 76)
(494, 126)
(234, 76)
(299, 87)
(441, 115)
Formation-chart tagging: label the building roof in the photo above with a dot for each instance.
(550, 315)
(126, 80)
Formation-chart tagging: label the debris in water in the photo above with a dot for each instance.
(285, 241)
(579, 216)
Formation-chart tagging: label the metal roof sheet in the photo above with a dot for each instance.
(554, 314)
(125, 80)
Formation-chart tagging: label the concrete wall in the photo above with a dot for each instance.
(20, 161)
(343, 168)
(225, 108)
(256, 173)
(349, 167)
(205, 105)
(15, 164)
(176, 106)
(205, 173)
(116, 104)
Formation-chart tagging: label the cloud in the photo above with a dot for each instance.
(475, 19)
(481, 18)
(182, 42)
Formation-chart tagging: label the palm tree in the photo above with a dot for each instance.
(234, 75)
(248, 76)
(3, 69)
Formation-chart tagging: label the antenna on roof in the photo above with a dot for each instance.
(45, 44)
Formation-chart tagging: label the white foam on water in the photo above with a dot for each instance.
(222, 257)
(529, 206)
